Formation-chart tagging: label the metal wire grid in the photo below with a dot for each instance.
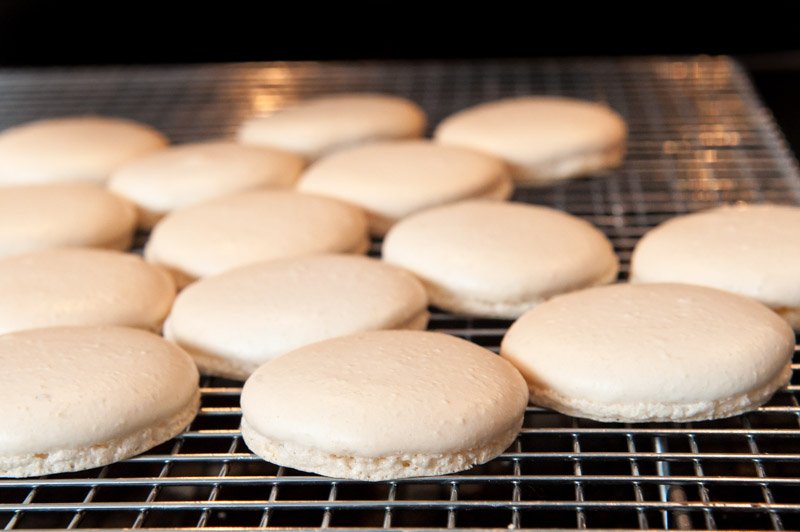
(699, 137)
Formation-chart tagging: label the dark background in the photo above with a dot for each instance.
(125, 31)
(765, 35)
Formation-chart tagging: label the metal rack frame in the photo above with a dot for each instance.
(699, 137)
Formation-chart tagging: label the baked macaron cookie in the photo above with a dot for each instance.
(651, 352)
(383, 405)
(752, 250)
(391, 180)
(497, 259)
(315, 127)
(75, 398)
(234, 322)
(542, 138)
(192, 173)
(255, 226)
(74, 286)
(82, 148)
(39, 217)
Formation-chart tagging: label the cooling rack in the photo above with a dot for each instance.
(699, 137)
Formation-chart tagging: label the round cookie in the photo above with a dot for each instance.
(542, 138)
(234, 322)
(315, 127)
(651, 352)
(82, 148)
(254, 226)
(391, 180)
(496, 259)
(75, 286)
(184, 175)
(75, 398)
(383, 405)
(39, 217)
(749, 250)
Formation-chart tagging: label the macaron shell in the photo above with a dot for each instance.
(58, 215)
(543, 138)
(386, 392)
(752, 250)
(391, 180)
(254, 226)
(318, 126)
(629, 346)
(81, 148)
(191, 173)
(255, 313)
(70, 387)
(497, 255)
(78, 286)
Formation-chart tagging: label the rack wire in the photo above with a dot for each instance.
(699, 137)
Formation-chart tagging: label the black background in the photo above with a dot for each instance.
(764, 35)
(124, 31)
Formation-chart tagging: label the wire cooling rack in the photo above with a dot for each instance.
(699, 137)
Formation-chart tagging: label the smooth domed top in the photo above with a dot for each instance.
(81, 148)
(534, 129)
(73, 387)
(752, 250)
(497, 251)
(82, 287)
(394, 179)
(255, 226)
(315, 127)
(264, 310)
(191, 173)
(386, 392)
(667, 343)
(63, 214)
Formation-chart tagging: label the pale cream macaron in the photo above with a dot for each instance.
(75, 398)
(192, 173)
(651, 352)
(542, 138)
(39, 217)
(81, 148)
(255, 226)
(234, 322)
(383, 405)
(752, 250)
(315, 127)
(391, 180)
(497, 259)
(74, 286)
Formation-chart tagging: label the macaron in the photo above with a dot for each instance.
(318, 126)
(184, 175)
(81, 286)
(497, 259)
(234, 322)
(254, 226)
(651, 352)
(391, 180)
(76, 398)
(542, 138)
(76, 148)
(36, 217)
(383, 405)
(751, 250)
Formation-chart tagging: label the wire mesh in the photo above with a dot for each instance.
(699, 137)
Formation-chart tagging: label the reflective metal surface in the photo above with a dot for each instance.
(699, 137)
